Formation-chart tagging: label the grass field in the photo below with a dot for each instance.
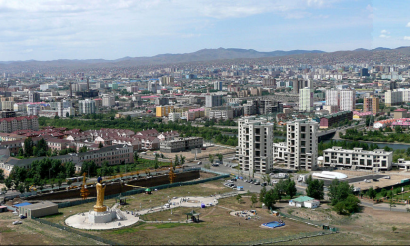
(34, 233)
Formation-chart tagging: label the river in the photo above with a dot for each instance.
(381, 145)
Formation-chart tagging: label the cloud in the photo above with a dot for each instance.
(406, 37)
(408, 24)
(384, 36)
(384, 32)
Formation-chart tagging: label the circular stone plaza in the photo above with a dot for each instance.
(128, 218)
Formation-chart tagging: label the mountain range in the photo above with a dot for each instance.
(197, 56)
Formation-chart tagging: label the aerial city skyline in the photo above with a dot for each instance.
(176, 122)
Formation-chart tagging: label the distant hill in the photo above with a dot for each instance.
(222, 55)
(200, 55)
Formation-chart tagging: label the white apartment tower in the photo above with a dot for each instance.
(332, 98)
(347, 100)
(306, 99)
(108, 100)
(87, 106)
(302, 145)
(255, 145)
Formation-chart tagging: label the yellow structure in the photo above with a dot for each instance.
(99, 206)
(84, 191)
(162, 111)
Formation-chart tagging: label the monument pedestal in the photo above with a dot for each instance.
(102, 217)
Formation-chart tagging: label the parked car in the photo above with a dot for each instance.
(215, 165)
(257, 183)
(199, 162)
(17, 222)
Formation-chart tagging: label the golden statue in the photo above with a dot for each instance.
(99, 206)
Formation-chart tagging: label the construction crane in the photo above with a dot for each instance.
(84, 193)
(171, 174)
(135, 186)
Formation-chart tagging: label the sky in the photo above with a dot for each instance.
(112, 29)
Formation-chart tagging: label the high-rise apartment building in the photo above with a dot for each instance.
(347, 100)
(162, 111)
(33, 96)
(213, 100)
(306, 99)
(299, 152)
(167, 80)
(302, 144)
(108, 100)
(371, 104)
(332, 98)
(393, 97)
(255, 145)
(218, 85)
(87, 106)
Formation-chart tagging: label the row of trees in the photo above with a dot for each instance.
(40, 149)
(377, 135)
(42, 169)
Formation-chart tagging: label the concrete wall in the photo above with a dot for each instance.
(116, 188)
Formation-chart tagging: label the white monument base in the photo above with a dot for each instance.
(102, 217)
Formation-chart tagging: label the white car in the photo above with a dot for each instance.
(199, 162)
(17, 222)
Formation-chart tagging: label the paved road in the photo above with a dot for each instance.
(357, 179)
(384, 206)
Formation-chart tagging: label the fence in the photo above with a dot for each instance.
(66, 228)
(309, 222)
(287, 238)
(142, 190)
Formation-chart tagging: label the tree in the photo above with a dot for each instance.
(371, 193)
(28, 147)
(100, 145)
(270, 198)
(90, 168)
(398, 129)
(211, 158)
(136, 157)
(41, 186)
(52, 183)
(176, 160)
(8, 182)
(254, 199)
(1, 175)
(291, 189)
(59, 183)
(393, 229)
(220, 156)
(383, 192)
(239, 198)
(408, 152)
(315, 188)
(339, 191)
(83, 149)
(21, 188)
(67, 114)
(182, 159)
(347, 206)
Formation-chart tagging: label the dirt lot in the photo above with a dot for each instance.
(217, 227)
(204, 153)
(143, 201)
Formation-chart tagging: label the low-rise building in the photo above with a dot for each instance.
(181, 144)
(38, 210)
(358, 159)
